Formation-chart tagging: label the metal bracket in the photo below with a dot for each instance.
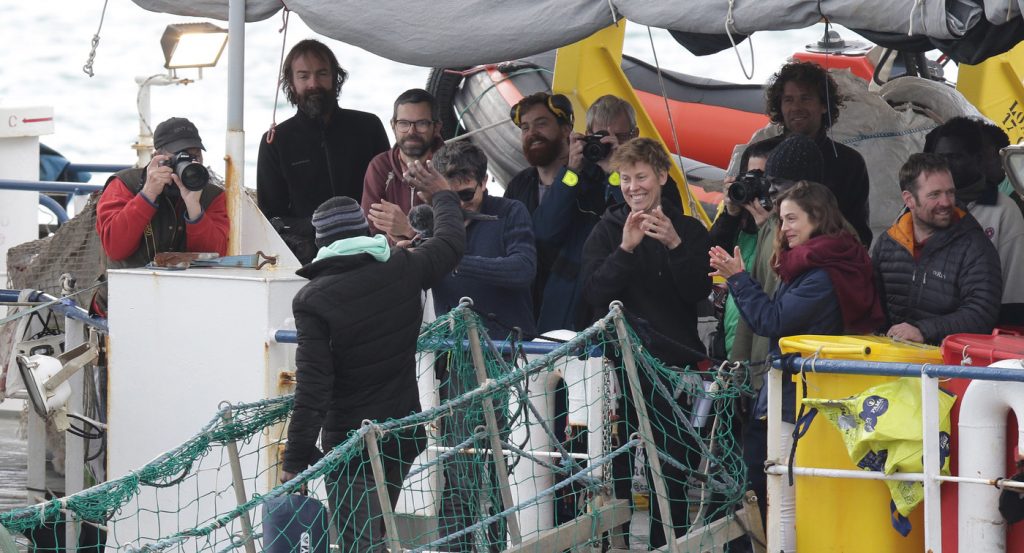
(184, 260)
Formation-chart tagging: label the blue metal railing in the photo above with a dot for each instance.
(63, 306)
(876, 368)
(504, 346)
(61, 187)
(54, 206)
(49, 186)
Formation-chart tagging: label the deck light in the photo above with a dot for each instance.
(188, 45)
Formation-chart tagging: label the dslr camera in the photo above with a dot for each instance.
(192, 173)
(751, 186)
(593, 149)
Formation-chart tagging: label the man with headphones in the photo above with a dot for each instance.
(561, 224)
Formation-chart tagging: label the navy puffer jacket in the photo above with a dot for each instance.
(954, 286)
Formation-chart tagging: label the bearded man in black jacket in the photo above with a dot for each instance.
(358, 320)
(319, 153)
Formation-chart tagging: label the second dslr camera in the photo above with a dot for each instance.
(751, 186)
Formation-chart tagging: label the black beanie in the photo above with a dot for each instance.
(337, 218)
(796, 158)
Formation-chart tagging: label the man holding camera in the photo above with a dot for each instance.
(171, 205)
(611, 121)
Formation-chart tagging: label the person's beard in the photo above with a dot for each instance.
(543, 154)
(316, 103)
(414, 146)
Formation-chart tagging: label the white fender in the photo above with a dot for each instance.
(983, 411)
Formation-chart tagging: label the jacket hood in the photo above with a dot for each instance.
(347, 254)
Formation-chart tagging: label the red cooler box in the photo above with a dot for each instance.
(978, 350)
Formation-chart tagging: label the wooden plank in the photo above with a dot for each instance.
(711, 537)
(577, 531)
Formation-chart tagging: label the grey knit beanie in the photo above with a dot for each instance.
(796, 158)
(337, 218)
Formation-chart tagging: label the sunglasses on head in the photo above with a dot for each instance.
(467, 194)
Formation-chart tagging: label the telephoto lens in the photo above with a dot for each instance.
(192, 173)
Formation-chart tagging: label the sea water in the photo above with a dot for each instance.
(44, 46)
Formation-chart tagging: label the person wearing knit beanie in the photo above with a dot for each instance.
(796, 158)
(337, 218)
(357, 322)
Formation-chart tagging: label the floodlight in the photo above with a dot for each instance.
(192, 45)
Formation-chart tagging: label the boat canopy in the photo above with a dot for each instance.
(435, 33)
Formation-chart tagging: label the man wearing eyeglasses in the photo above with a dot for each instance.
(320, 152)
(387, 198)
(612, 121)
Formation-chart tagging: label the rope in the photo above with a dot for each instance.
(730, 24)
(280, 64)
(668, 113)
(913, 8)
(87, 68)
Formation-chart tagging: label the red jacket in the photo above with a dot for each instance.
(122, 217)
(383, 181)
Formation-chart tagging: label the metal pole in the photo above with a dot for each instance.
(390, 527)
(930, 443)
(74, 447)
(239, 486)
(775, 481)
(234, 171)
(492, 429)
(646, 434)
(144, 146)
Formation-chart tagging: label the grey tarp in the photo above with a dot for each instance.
(450, 33)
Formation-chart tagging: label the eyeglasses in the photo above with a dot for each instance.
(423, 125)
(623, 137)
(466, 194)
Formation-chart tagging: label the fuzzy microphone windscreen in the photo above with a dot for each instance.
(421, 219)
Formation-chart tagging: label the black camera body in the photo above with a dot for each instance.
(593, 149)
(751, 186)
(193, 175)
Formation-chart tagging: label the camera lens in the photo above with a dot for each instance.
(593, 149)
(740, 192)
(193, 175)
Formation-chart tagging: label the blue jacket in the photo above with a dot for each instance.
(807, 305)
(561, 225)
(496, 270)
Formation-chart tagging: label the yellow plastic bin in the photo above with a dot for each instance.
(843, 515)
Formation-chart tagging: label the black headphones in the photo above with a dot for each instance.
(558, 104)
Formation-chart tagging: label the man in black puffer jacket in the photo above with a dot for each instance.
(358, 320)
(938, 272)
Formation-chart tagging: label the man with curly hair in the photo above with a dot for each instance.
(804, 99)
